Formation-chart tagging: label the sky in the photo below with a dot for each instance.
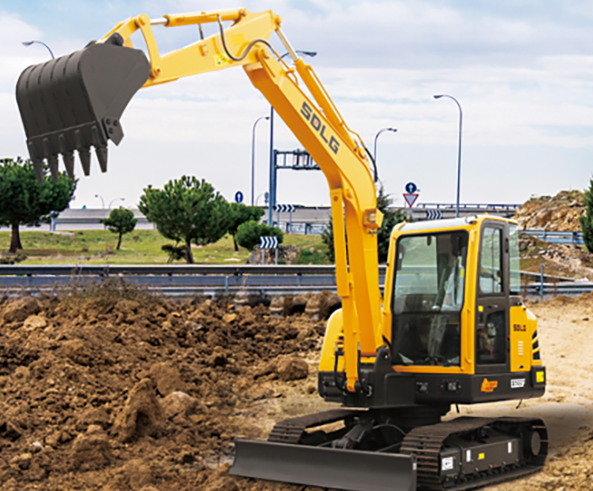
(522, 71)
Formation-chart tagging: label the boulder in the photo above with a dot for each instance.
(34, 322)
(90, 452)
(19, 309)
(180, 403)
(292, 368)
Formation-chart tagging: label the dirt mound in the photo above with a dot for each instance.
(108, 388)
(558, 259)
(560, 212)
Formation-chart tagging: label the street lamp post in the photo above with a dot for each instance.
(116, 199)
(459, 149)
(29, 43)
(375, 149)
(272, 184)
(102, 200)
(253, 157)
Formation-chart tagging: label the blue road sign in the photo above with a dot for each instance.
(238, 197)
(411, 188)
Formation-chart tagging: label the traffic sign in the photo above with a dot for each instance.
(410, 199)
(411, 188)
(238, 197)
(434, 214)
(284, 208)
(268, 242)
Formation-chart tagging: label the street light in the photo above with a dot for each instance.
(375, 150)
(102, 200)
(459, 150)
(311, 54)
(116, 199)
(29, 43)
(253, 157)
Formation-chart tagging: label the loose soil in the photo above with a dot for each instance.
(567, 260)
(109, 388)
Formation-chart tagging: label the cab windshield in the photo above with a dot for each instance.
(428, 298)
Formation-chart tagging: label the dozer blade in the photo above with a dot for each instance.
(76, 101)
(350, 470)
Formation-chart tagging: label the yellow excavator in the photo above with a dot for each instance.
(450, 328)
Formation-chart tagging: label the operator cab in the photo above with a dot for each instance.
(429, 292)
(432, 289)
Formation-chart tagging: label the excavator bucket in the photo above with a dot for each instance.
(76, 101)
(350, 470)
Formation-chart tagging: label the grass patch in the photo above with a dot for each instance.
(313, 249)
(312, 255)
(138, 247)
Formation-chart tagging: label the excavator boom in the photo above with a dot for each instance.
(75, 102)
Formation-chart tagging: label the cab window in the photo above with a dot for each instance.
(515, 262)
(428, 297)
(491, 261)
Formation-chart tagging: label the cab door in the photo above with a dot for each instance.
(492, 309)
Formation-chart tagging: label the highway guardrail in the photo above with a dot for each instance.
(208, 279)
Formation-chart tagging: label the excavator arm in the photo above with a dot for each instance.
(76, 102)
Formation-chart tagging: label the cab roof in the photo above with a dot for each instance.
(470, 221)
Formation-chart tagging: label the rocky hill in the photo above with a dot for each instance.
(560, 212)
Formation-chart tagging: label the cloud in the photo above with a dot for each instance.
(521, 70)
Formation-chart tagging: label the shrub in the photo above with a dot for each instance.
(248, 233)
(587, 218)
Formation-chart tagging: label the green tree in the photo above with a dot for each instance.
(176, 252)
(390, 219)
(327, 236)
(587, 218)
(186, 210)
(239, 214)
(248, 234)
(120, 221)
(23, 201)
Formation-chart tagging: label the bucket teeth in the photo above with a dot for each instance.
(102, 156)
(38, 168)
(69, 163)
(52, 162)
(85, 159)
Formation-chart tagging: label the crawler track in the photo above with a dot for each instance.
(427, 443)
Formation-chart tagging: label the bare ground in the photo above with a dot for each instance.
(112, 389)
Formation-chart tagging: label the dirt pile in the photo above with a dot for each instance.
(558, 259)
(107, 388)
(560, 212)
